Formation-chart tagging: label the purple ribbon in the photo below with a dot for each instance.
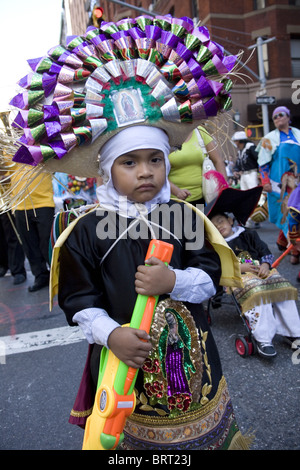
(184, 52)
(208, 87)
(58, 147)
(201, 33)
(98, 39)
(169, 39)
(33, 63)
(120, 34)
(53, 128)
(49, 82)
(50, 111)
(211, 107)
(195, 68)
(21, 120)
(136, 33)
(30, 155)
(153, 32)
(215, 49)
(20, 101)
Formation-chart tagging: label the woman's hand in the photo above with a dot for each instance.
(178, 192)
(130, 345)
(154, 279)
(182, 194)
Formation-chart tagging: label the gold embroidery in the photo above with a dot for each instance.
(194, 423)
(81, 414)
(206, 389)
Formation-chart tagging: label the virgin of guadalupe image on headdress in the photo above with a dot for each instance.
(128, 107)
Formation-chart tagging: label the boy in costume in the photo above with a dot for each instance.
(266, 299)
(143, 85)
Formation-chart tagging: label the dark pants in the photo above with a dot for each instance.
(11, 252)
(34, 227)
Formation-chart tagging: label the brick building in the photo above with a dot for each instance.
(237, 25)
(76, 17)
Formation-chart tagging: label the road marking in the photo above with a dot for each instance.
(35, 340)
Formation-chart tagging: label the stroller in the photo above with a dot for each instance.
(245, 345)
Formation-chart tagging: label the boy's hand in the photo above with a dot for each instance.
(261, 271)
(267, 187)
(249, 268)
(130, 345)
(155, 279)
(264, 270)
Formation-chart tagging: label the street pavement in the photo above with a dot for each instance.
(41, 362)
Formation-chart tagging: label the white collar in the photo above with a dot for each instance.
(236, 233)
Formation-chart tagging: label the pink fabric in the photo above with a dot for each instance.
(85, 396)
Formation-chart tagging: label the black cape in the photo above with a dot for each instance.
(85, 281)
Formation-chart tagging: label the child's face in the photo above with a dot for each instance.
(139, 174)
(223, 224)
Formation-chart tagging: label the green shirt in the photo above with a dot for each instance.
(186, 165)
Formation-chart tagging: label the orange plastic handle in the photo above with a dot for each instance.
(145, 325)
(276, 262)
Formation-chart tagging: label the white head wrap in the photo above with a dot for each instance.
(127, 140)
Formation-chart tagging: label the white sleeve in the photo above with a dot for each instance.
(95, 324)
(192, 285)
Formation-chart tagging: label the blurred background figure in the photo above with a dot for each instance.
(186, 166)
(246, 166)
(34, 218)
(12, 256)
(229, 166)
(11, 252)
(279, 165)
(73, 191)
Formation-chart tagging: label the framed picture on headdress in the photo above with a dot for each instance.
(128, 106)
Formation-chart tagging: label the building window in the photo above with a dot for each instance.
(265, 57)
(295, 56)
(259, 4)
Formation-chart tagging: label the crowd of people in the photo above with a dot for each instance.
(183, 401)
(25, 230)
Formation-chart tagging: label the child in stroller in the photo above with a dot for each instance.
(267, 300)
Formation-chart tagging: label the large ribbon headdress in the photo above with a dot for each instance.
(159, 71)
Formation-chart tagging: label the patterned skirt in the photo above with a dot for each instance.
(273, 289)
(210, 427)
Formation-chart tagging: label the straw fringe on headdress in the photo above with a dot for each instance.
(159, 71)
